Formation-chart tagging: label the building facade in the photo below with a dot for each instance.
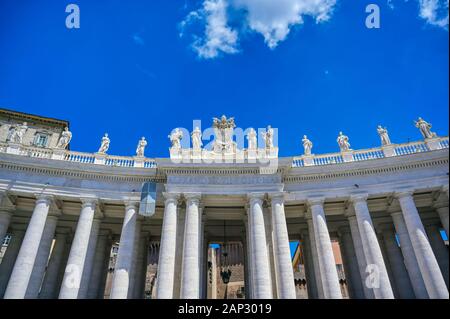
(76, 227)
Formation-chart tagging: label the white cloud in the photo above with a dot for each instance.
(435, 12)
(218, 36)
(273, 19)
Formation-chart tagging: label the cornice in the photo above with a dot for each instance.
(352, 169)
(91, 172)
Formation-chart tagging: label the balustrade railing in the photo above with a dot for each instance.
(300, 161)
(373, 153)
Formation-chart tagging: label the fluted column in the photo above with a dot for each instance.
(166, 264)
(23, 267)
(133, 275)
(327, 264)
(89, 261)
(8, 260)
(359, 252)
(100, 266)
(70, 286)
(409, 257)
(315, 258)
(381, 285)
(190, 281)
(260, 259)
(283, 263)
(429, 267)
(249, 282)
(141, 266)
(394, 255)
(41, 261)
(121, 279)
(351, 263)
(311, 281)
(439, 249)
(49, 285)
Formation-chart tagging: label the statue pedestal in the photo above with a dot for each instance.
(139, 161)
(388, 150)
(347, 156)
(100, 159)
(308, 160)
(13, 148)
(433, 143)
(58, 154)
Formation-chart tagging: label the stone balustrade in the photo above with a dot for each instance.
(372, 153)
(298, 161)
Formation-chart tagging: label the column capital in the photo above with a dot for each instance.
(89, 202)
(193, 197)
(131, 204)
(44, 198)
(171, 197)
(277, 197)
(255, 197)
(357, 198)
(403, 194)
(314, 201)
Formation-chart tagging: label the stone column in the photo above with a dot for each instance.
(121, 279)
(70, 286)
(327, 264)
(381, 286)
(249, 282)
(351, 266)
(359, 252)
(23, 267)
(190, 282)
(98, 267)
(260, 259)
(283, 263)
(315, 258)
(105, 272)
(41, 261)
(89, 261)
(412, 266)
(5, 219)
(399, 272)
(6, 267)
(443, 215)
(429, 267)
(166, 264)
(134, 263)
(50, 283)
(141, 267)
(439, 249)
(311, 281)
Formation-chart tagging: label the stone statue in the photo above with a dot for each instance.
(252, 139)
(175, 139)
(307, 145)
(141, 147)
(223, 131)
(196, 136)
(342, 140)
(268, 137)
(18, 132)
(384, 135)
(64, 140)
(425, 128)
(105, 144)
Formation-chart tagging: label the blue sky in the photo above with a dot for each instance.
(142, 68)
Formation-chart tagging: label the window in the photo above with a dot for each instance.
(41, 140)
